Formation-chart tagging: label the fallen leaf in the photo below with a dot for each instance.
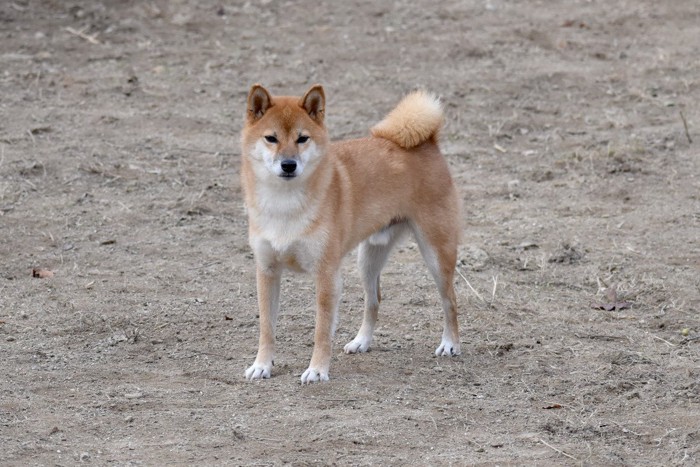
(567, 254)
(42, 273)
(569, 23)
(553, 406)
(614, 306)
(41, 129)
(611, 294)
(612, 301)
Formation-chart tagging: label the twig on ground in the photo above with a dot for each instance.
(434, 422)
(493, 292)
(274, 440)
(661, 439)
(470, 286)
(81, 34)
(670, 344)
(685, 125)
(204, 151)
(557, 450)
(209, 354)
(627, 430)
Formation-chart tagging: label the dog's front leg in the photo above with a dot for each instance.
(328, 290)
(268, 280)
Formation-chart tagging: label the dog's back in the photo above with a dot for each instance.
(398, 172)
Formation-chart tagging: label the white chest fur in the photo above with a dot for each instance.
(282, 218)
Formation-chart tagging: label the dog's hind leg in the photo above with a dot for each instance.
(371, 257)
(438, 245)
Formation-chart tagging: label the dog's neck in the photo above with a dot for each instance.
(285, 200)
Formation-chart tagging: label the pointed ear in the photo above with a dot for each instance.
(259, 101)
(314, 102)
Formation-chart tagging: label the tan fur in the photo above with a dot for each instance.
(370, 189)
(416, 119)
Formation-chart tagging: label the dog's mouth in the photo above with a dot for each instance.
(287, 175)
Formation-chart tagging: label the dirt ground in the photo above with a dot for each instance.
(572, 132)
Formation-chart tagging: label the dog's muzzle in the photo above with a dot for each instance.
(289, 167)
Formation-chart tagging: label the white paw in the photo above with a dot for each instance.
(447, 349)
(357, 345)
(312, 375)
(258, 371)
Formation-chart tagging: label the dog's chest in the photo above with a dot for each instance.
(300, 255)
(285, 231)
(281, 213)
(282, 233)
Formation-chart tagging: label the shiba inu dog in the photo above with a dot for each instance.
(310, 202)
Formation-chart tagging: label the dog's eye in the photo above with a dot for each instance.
(302, 139)
(271, 139)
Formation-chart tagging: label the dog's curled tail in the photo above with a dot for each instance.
(415, 120)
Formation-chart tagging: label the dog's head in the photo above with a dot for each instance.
(284, 137)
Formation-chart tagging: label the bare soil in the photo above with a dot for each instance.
(573, 131)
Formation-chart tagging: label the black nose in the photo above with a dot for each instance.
(289, 166)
